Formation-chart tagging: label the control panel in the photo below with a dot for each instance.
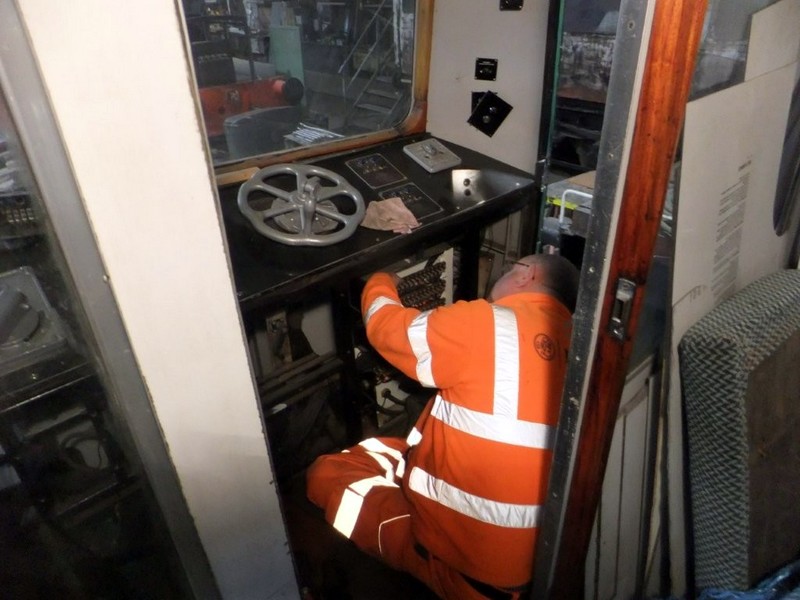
(307, 205)
(312, 214)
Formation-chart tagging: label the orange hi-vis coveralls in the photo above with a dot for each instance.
(457, 504)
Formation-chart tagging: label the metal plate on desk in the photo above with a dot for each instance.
(415, 200)
(375, 170)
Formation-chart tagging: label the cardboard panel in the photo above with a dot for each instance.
(773, 38)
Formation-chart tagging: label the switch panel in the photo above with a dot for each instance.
(489, 113)
(432, 155)
(486, 69)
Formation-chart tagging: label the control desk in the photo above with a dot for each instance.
(448, 204)
(453, 200)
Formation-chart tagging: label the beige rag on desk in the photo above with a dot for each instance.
(389, 215)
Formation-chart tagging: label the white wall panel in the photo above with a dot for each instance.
(466, 30)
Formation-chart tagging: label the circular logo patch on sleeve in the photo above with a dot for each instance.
(545, 346)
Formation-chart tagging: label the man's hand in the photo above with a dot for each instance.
(396, 279)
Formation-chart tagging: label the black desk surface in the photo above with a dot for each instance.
(472, 195)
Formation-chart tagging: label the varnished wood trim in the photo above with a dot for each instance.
(673, 45)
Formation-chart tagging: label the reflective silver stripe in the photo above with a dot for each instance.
(352, 500)
(374, 445)
(506, 371)
(502, 514)
(418, 338)
(347, 514)
(378, 304)
(494, 427)
(414, 437)
(385, 464)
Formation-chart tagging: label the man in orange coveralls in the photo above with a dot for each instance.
(457, 503)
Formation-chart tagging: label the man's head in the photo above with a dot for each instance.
(546, 273)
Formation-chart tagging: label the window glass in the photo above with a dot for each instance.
(723, 49)
(79, 519)
(280, 75)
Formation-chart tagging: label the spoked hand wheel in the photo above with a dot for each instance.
(309, 214)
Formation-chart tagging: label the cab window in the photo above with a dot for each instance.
(278, 76)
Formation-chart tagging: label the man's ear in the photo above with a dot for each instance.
(524, 277)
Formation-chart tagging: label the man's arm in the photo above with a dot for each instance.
(387, 321)
(411, 340)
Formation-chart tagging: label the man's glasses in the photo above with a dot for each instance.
(510, 264)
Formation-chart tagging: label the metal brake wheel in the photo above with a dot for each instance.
(307, 215)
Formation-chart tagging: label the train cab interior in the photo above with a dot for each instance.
(194, 193)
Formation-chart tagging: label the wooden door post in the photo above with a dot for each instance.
(669, 68)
